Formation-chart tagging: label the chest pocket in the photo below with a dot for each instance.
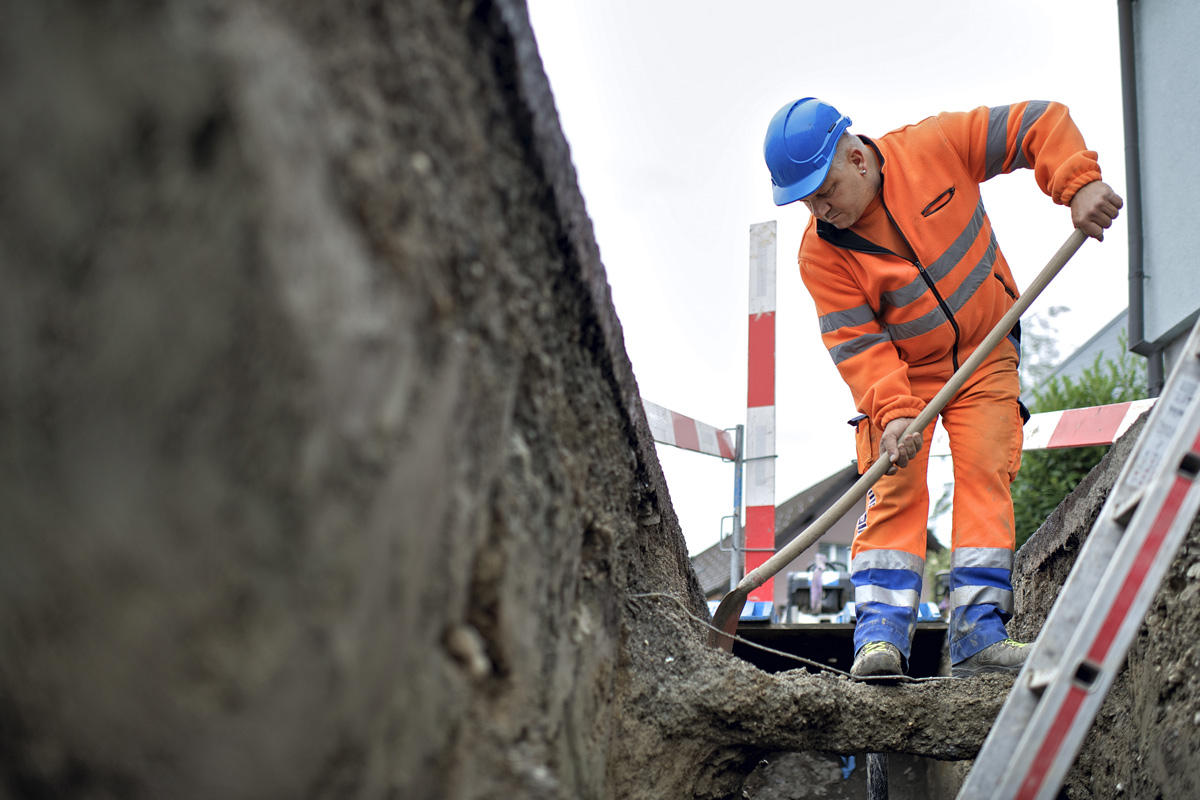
(938, 203)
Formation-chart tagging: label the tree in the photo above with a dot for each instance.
(1039, 345)
(1048, 476)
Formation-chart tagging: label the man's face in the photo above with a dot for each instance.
(843, 196)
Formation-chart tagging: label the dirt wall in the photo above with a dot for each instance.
(317, 474)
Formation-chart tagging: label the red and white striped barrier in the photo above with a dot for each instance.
(1076, 427)
(1082, 427)
(669, 427)
(759, 441)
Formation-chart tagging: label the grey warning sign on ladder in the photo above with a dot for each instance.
(1083, 643)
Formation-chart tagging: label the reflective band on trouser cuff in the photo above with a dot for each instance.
(887, 559)
(900, 598)
(981, 599)
(987, 557)
(977, 595)
(887, 590)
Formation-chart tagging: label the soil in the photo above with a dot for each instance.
(323, 470)
(807, 776)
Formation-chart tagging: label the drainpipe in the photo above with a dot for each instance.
(1133, 205)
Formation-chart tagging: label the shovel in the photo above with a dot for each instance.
(725, 620)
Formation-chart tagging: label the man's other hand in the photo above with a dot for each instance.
(1094, 207)
(899, 450)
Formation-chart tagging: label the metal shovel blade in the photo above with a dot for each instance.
(725, 620)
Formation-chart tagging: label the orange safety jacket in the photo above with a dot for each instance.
(888, 321)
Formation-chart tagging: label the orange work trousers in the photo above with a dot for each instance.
(984, 425)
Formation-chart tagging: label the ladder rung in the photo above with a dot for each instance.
(1124, 510)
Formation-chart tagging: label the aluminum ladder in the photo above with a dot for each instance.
(1082, 646)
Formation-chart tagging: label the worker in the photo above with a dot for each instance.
(902, 264)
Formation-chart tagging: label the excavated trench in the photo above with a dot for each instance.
(323, 470)
(1146, 739)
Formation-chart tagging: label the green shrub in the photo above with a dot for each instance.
(1048, 476)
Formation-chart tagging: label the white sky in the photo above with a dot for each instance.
(665, 104)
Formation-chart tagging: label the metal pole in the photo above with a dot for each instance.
(735, 559)
(877, 776)
(1133, 203)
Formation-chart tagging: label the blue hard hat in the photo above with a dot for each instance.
(801, 140)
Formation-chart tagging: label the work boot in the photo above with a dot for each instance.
(1005, 655)
(876, 658)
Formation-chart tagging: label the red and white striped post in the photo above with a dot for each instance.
(760, 407)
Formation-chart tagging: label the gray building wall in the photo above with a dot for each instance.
(1106, 343)
(1168, 64)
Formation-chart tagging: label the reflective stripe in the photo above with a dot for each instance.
(962, 295)
(1033, 112)
(978, 595)
(850, 318)
(979, 273)
(921, 325)
(997, 141)
(887, 559)
(953, 254)
(860, 344)
(901, 598)
(899, 298)
(989, 557)
(942, 266)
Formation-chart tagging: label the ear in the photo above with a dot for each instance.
(857, 158)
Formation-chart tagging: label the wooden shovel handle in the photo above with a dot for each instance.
(858, 491)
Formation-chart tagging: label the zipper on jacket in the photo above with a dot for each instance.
(1014, 334)
(850, 241)
(925, 276)
(1012, 295)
